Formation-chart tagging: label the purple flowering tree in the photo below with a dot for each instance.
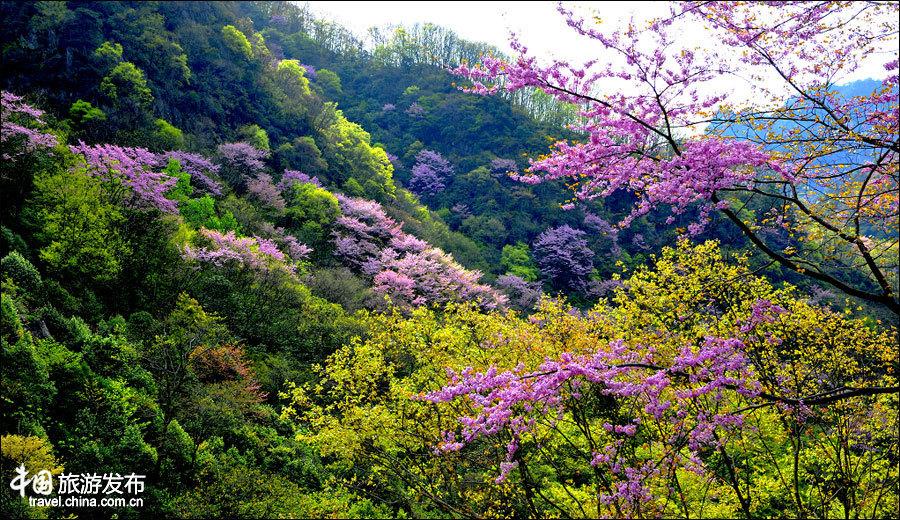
(430, 173)
(201, 170)
(503, 167)
(415, 111)
(135, 168)
(229, 250)
(523, 295)
(403, 268)
(564, 258)
(241, 162)
(673, 137)
(20, 127)
(291, 177)
(263, 189)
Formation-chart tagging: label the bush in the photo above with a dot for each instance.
(22, 272)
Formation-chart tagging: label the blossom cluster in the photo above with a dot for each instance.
(137, 168)
(430, 173)
(228, 249)
(198, 167)
(14, 132)
(402, 267)
(291, 177)
(563, 255)
(680, 389)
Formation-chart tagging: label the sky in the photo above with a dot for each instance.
(538, 24)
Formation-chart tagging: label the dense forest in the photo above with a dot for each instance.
(277, 271)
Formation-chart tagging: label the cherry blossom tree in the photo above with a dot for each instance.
(819, 165)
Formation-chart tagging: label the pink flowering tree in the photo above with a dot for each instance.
(229, 250)
(676, 386)
(21, 127)
(136, 169)
(818, 165)
(403, 268)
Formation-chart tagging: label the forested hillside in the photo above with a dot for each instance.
(281, 273)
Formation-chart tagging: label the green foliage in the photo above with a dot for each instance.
(126, 83)
(201, 212)
(301, 154)
(237, 41)
(166, 136)
(78, 225)
(516, 259)
(84, 113)
(349, 154)
(21, 272)
(293, 83)
(107, 55)
(310, 212)
(254, 135)
(330, 83)
(182, 189)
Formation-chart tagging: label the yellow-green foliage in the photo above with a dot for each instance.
(363, 412)
(79, 225)
(35, 453)
(237, 41)
(292, 78)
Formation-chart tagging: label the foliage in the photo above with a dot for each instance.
(517, 261)
(214, 277)
(650, 402)
(237, 41)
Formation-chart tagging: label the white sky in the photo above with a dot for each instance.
(538, 24)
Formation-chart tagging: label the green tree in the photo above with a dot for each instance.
(78, 224)
(516, 259)
(166, 136)
(254, 135)
(237, 41)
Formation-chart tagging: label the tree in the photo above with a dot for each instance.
(761, 166)
(694, 375)
(402, 267)
(166, 136)
(241, 163)
(516, 259)
(255, 136)
(188, 332)
(79, 225)
(126, 86)
(237, 41)
(430, 173)
(565, 260)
